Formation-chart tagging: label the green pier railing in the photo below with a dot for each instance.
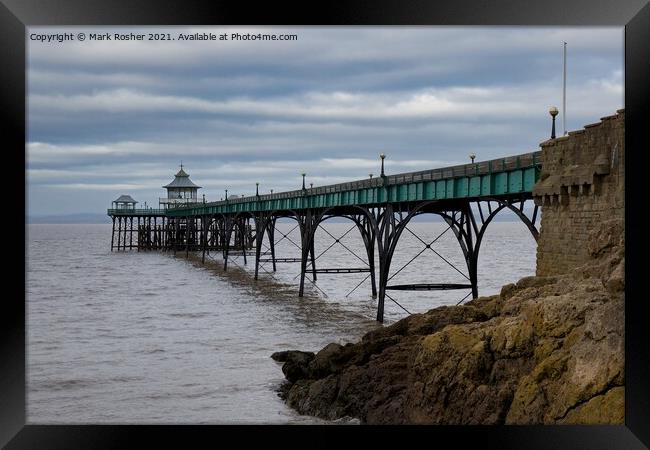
(497, 177)
(136, 212)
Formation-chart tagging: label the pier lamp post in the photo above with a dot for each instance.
(311, 185)
(370, 175)
(204, 199)
(553, 112)
(472, 156)
(271, 191)
(257, 189)
(303, 180)
(226, 195)
(382, 156)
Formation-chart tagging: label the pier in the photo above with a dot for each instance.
(467, 197)
(380, 208)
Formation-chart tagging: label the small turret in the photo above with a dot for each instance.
(180, 191)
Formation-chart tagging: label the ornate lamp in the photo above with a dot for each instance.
(553, 112)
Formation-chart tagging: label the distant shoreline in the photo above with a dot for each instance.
(81, 218)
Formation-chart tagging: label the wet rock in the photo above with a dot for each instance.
(296, 363)
(290, 354)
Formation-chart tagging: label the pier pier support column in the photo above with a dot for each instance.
(313, 258)
(131, 233)
(176, 237)
(368, 236)
(204, 238)
(188, 224)
(113, 234)
(271, 233)
(242, 233)
(307, 230)
(119, 232)
(386, 225)
(260, 227)
(227, 234)
(124, 237)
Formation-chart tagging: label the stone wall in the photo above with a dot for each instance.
(582, 185)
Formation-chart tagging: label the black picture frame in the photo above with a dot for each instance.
(15, 15)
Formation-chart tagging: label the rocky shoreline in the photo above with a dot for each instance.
(546, 350)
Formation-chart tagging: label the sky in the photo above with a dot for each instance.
(107, 118)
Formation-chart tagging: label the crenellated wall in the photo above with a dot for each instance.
(582, 185)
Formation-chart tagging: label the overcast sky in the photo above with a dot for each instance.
(112, 118)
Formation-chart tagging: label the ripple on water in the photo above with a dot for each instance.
(135, 337)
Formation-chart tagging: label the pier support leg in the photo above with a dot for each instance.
(313, 259)
(204, 238)
(260, 230)
(213, 233)
(271, 233)
(486, 217)
(373, 280)
(307, 236)
(472, 256)
(368, 236)
(187, 237)
(175, 242)
(164, 234)
(113, 234)
(242, 231)
(226, 241)
(387, 234)
(463, 225)
(124, 236)
(119, 233)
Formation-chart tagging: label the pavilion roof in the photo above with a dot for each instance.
(125, 199)
(181, 180)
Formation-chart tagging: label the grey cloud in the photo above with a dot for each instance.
(108, 117)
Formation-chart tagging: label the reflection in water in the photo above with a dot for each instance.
(146, 337)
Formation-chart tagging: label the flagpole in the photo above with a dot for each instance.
(564, 95)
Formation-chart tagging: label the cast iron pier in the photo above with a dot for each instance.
(467, 197)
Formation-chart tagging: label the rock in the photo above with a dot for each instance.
(290, 354)
(281, 356)
(607, 236)
(508, 290)
(547, 350)
(605, 409)
(296, 364)
(328, 360)
(616, 281)
(347, 420)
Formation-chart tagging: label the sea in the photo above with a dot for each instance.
(154, 337)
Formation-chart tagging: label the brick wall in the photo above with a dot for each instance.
(581, 185)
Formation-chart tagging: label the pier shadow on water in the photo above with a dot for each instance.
(312, 308)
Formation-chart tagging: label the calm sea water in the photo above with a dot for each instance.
(146, 337)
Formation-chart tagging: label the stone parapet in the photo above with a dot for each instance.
(582, 184)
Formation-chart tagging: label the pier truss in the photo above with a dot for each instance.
(380, 209)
